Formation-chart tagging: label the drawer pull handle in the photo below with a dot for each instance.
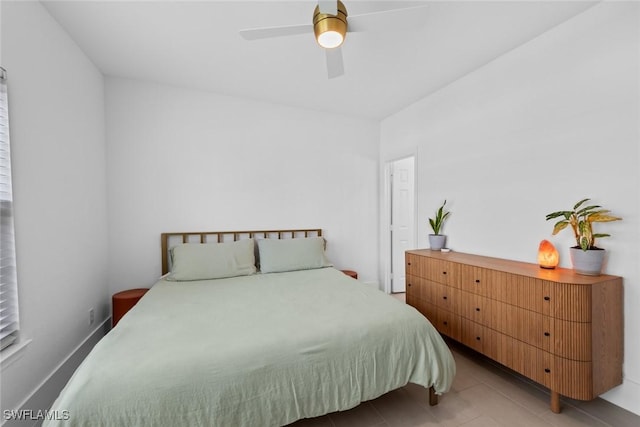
(444, 272)
(408, 263)
(444, 297)
(445, 323)
(547, 298)
(477, 308)
(408, 284)
(547, 370)
(477, 280)
(478, 338)
(547, 334)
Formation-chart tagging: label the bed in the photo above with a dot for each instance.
(263, 348)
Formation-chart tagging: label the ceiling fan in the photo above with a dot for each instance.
(330, 25)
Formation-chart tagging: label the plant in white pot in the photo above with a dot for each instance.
(586, 257)
(436, 240)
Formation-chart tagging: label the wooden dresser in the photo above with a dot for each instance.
(558, 328)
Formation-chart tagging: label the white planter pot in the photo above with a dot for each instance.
(587, 262)
(437, 241)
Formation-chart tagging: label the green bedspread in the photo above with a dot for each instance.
(262, 350)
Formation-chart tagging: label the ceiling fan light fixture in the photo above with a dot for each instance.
(330, 39)
(330, 30)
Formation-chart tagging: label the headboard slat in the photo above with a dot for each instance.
(237, 235)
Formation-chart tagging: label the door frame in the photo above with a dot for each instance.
(385, 215)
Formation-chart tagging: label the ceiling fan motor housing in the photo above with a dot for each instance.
(323, 22)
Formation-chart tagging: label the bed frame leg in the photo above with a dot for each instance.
(433, 397)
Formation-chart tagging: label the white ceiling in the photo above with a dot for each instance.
(195, 44)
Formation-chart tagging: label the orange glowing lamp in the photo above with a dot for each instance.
(547, 255)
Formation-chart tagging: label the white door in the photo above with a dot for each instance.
(402, 218)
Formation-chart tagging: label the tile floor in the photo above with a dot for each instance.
(483, 395)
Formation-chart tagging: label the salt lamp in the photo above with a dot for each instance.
(547, 255)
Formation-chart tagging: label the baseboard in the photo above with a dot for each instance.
(48, 390)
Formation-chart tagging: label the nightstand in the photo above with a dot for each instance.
(350, 273)
(123, 301)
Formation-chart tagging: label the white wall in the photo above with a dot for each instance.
(56, 108)
(536, 130)
(181, 160)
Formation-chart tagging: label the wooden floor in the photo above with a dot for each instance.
(483, 394)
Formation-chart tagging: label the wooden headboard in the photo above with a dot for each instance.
(168, 240)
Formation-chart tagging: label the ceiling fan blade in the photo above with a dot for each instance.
(389, 20)
(335, 65)
(281, 31)
(328, 6)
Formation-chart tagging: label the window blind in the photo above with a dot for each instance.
(8, 277)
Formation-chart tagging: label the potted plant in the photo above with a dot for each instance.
(437, 240)
(586, 257)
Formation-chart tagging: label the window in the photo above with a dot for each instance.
(8, 280)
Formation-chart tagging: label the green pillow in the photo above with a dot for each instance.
(198, 261)
(278, 255)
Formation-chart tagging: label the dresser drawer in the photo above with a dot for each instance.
(411, 299)
(430, 311)
(474, 279)
(448, 323)
(472, 334)
(569, 302)
(524, 292)
(474, 307)
(568, 377)
(570, 340)
(427, 310)
(523, 358)
(421, 288)
(446, 297)
(524, 325)
(573, 378)
(444, 272)
(413, 264)
(414, 286)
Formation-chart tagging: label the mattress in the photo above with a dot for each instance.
(259, 350)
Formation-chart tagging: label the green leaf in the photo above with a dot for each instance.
(598, 235)
(553, 215)
(577, 205)
(434, 226)
(437, 222)
(557, 214)
(599, 211)
(584, 243)
(560, 225)
(587, 209)
(603, 218)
